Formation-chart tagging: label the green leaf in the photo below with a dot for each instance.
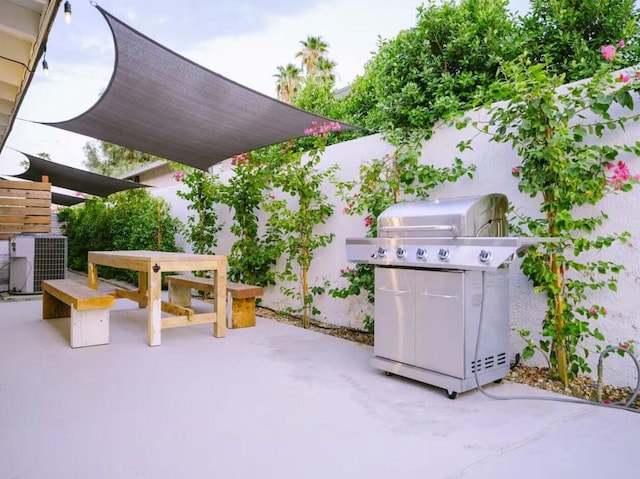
(600, 108)
(528, 352)
(625, 99)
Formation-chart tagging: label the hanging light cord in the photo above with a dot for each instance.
(45, 65)
(16, 61)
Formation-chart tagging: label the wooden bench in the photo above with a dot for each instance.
(241, 298)
(87, 308)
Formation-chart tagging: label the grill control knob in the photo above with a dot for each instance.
(421, 254)
(381, 252)
(401, 253)
(443, 254)
(484, 256)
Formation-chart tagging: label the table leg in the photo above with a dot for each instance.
(93, 275)
(154, 305)
(220, 302)
(143, 281)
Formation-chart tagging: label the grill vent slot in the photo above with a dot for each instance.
(488, 362)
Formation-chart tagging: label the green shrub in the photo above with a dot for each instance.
(434, 69)
(567, 35)
(129, 220)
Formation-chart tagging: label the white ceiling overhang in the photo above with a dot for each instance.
(24, 27)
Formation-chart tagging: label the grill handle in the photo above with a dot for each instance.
(396, 292)
(443, 296)
(419, 228)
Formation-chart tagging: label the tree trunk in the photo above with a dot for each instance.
(305, 302)
(304, 267)
(558, 271)
(159, 228)
(558, 296)
(561, 350)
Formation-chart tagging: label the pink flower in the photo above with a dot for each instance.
(593, 311)
(620, 44)
(623, 346)
(620, 176)
(368, 221)
(624, 78)
(178, 175)
(322, 130)
(241, 159)
(516, 171)
(345, 210)
(608, 51)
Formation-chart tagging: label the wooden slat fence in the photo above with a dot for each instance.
(25, 207)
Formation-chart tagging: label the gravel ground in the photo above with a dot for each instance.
(583, 387)
(341, 332)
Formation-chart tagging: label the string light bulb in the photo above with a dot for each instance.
(67, 12)
(45, 65)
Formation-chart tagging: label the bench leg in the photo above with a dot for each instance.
(52, 307)
(89, 328)
(243, 312)
(180, 295)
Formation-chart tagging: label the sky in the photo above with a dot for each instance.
(243, 40)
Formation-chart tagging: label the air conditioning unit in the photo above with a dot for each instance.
(35, 258)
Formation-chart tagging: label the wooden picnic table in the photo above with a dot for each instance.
(150, 265)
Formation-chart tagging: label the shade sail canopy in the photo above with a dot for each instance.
(74, 178)
(161, 103)
(65, 200)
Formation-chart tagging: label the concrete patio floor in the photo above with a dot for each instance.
(273, 401)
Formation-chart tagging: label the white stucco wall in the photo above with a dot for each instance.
(160, 177)
(494, 163)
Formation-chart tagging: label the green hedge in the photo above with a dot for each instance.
(129, 220)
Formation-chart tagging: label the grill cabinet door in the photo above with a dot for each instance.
(394, 314)
(439, 328)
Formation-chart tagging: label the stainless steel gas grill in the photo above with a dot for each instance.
(441, 271)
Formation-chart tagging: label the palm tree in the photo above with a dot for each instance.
(312, 49)
(288, 83)
(325, 70)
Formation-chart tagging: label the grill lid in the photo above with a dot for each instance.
(465, 216)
